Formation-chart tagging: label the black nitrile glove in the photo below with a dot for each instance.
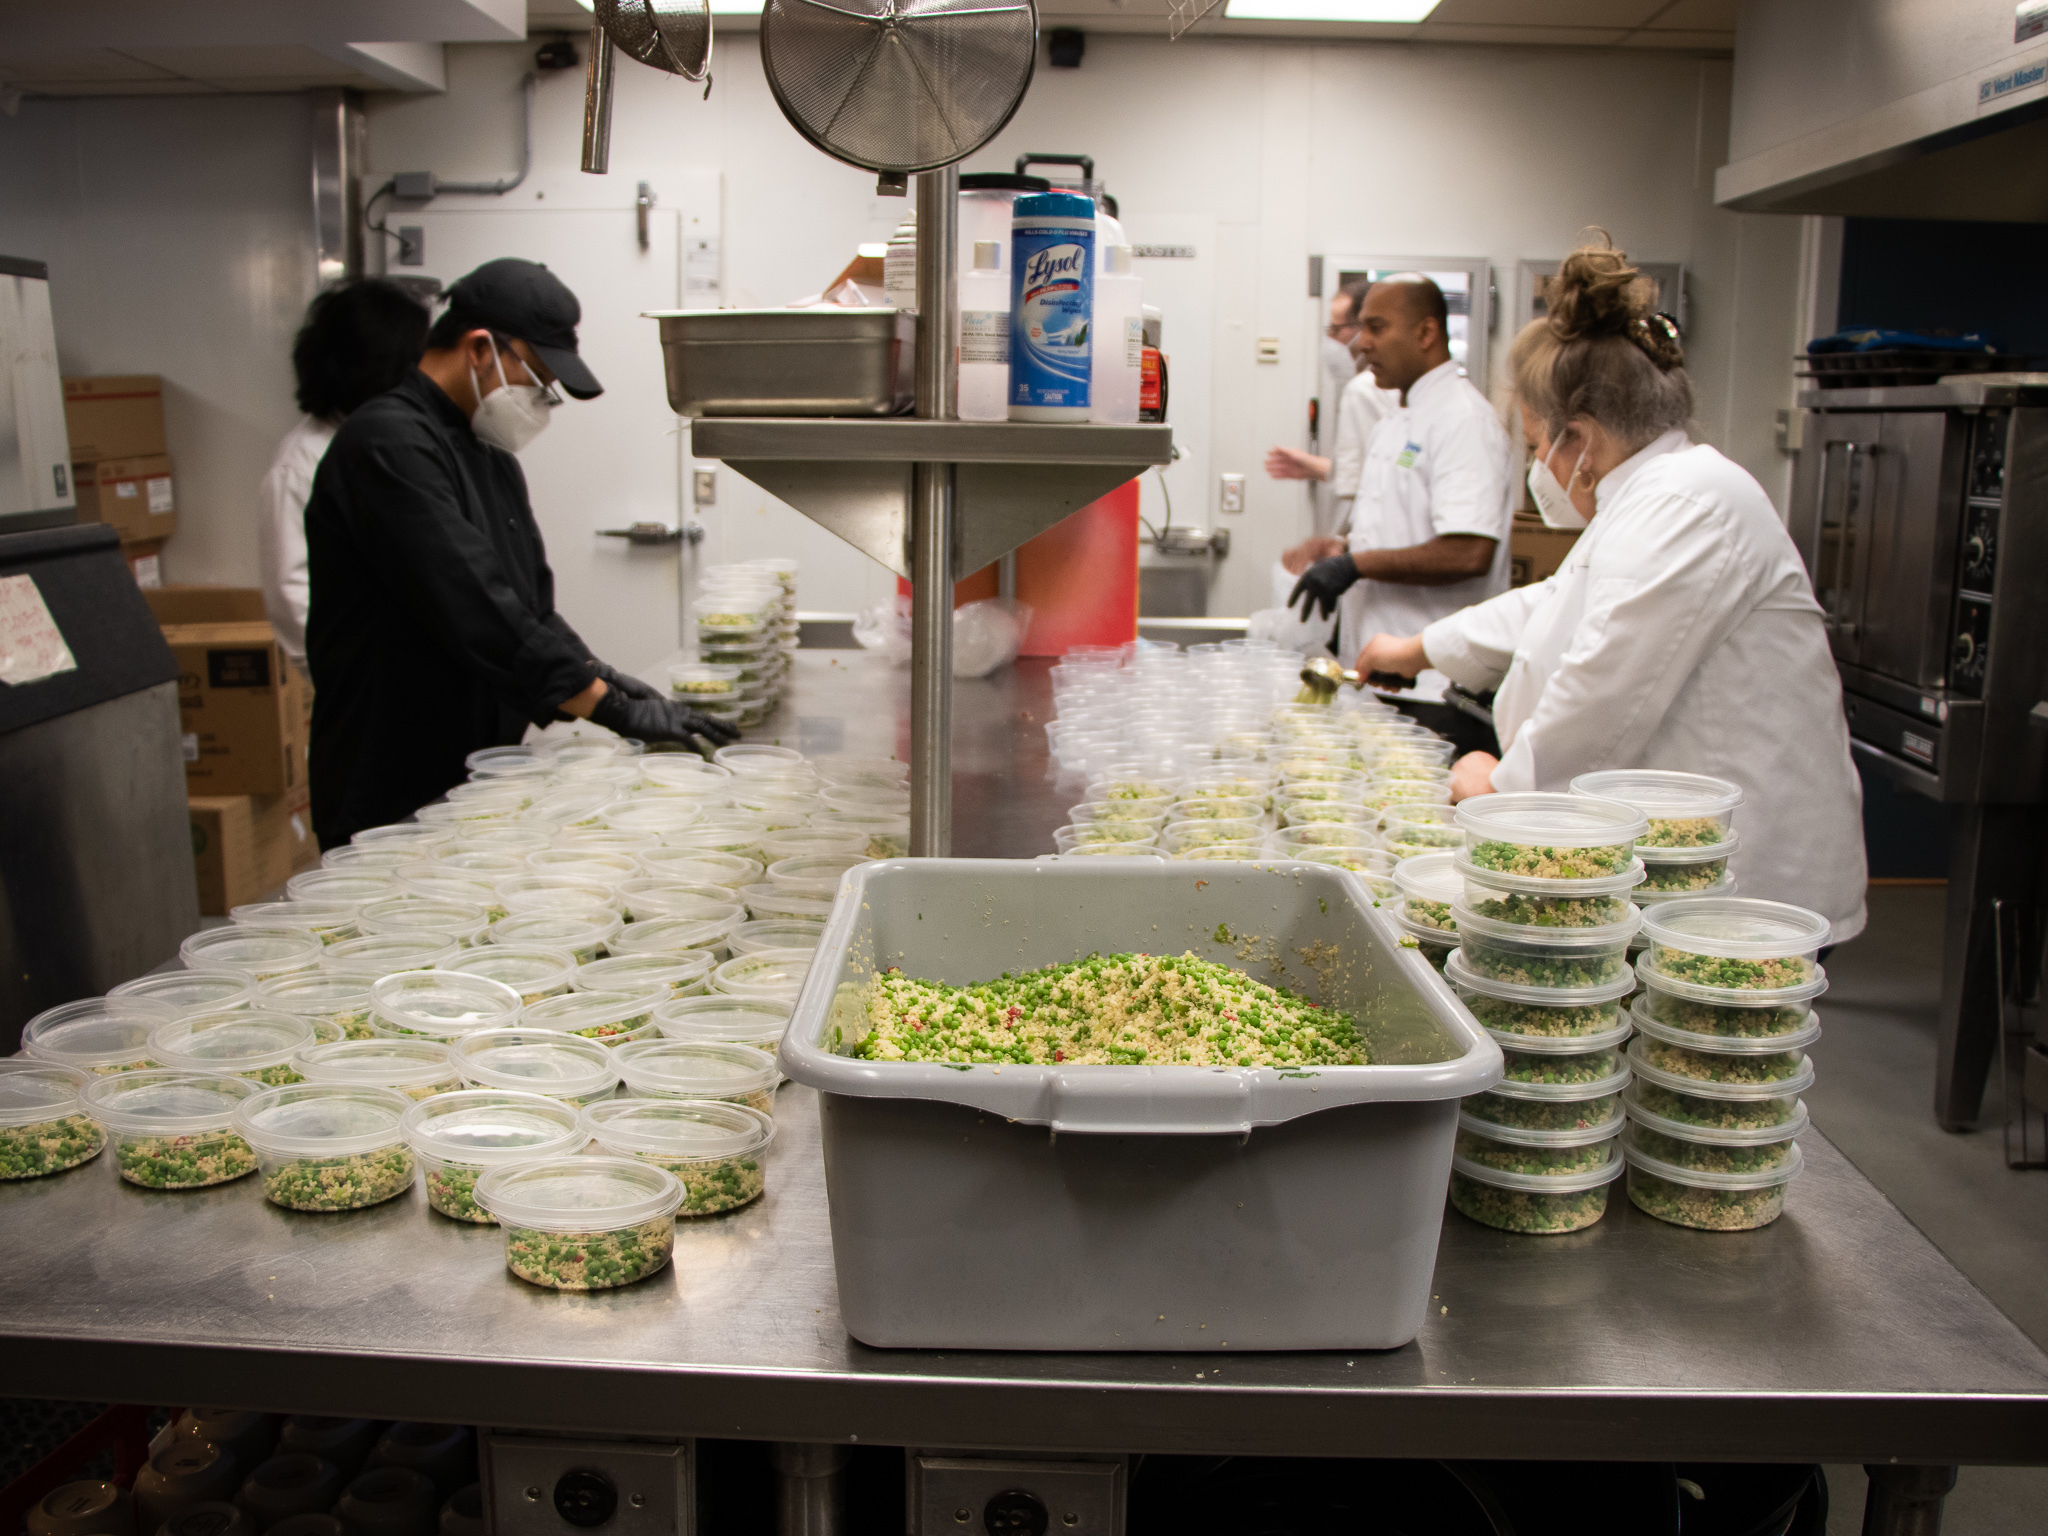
(626, 683)
(1322, 584)
(657, 719)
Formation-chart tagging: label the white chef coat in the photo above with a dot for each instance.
(281, 532)
(1435, 465)
(1334, 370)
(1682, 633)
(1360, 408)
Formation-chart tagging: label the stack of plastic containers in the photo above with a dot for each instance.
(1723, 1024)
(1539, 896)
(746, 636)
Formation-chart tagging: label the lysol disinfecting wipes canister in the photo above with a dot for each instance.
(1052, 306)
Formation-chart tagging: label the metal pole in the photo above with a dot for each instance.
(1906, 1500)
(811, 1488)
(597, 103)
(931, 522)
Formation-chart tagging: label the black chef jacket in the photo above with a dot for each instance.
(432, 628)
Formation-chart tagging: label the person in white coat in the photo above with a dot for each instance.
(358, 340)
(1680, 633)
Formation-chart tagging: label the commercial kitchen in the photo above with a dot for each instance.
(1023, 765)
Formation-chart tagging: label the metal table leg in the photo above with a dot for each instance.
(931, 528)
(1906, 1500)
(1997, 855)
(810, 1488)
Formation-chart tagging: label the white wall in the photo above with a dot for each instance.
(179, 235)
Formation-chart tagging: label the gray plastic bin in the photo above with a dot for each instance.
(1125, 1208)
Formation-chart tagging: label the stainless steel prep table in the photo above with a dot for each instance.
(1838, 1334)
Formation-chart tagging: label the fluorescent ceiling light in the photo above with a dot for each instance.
(1329, 10)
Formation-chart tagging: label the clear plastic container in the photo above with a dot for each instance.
(1429, 884)
(1567, 959)
(1713, 1043)
(1533, 1203)
(694, 680)
(776, 933)
(765, 901)
(723, 834)
(173, 1130)
(1546, 1107)
(328, 921)
(1720, 1074)
(887, 837)
(1537, 1154)
(353, 887)
(689, 1069)
(799, 842)
(235, 1042)
(458, 1137)
(440, 1005)
(753, 759)
(685, 773)
(773, 974)
(1688, 871)
(1710, 1202)
(650, 818)
(459, 920)
(419, 1069)
(699, 866)
(1684, 810)
(1409, 829)
(1223, 808)
(366, 858)
(436, 882)
(583, 938)
(258, 953)
(388, 953)
(1292, 842)
(340, 998)
(1593, 1019)
(681, 974)
(1182, 837)
(1099, 850)
(815, 874)
(1103, 834)
(510, 762)
(1737, 1020)
(722, 1019)
(679, 935)
(610, 1018)
(1711, 1149)
(562, 1066)
(1732, 945)
(556, 895)
(1547, 903)
(583, 1223)
(1432, 944)
(1156, 792)
(44, 1128)
(328, 1146)
(533, 971)
(1707, 1107)
(399, 834)
(1373, 863)
(187, 991)
(1548, 836)
(647, 897)
(96, 1035)
(719, 1151)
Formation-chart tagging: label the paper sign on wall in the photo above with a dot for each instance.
(31, 645)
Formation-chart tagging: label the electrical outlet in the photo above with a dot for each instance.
(412, 245)
(1230, 494)
(704, 487)
(987, 1496)
(535, 1486)
(1269, 349)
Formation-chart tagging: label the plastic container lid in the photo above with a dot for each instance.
(689, 1069)
(1623, 883)
(579, 1194)
(1436, 938)
(531, 970)
(396, 832)
(676, 1129)
(1747, 1136)
(1550, 820)
(479, 1127)
(394, 1063)
(1523, 1136)
(315, 994)
(661, 974)
(343, 887)
(1704, 853)
(1728, 1045)
(94, 1033)
(315, 917)
(441, 1005)
(673, 935)
(413, 913)
(1759, 1178)
(1429, 879)
(363, 858)
(556, 894)
(776, 933)
(538, 1061)
(1605, 1172)
(255, 952)
(1545, 1045)
(770, 973)
(188, 991)
(699, 866)
(650, 896)
(854, 770)
(597, 1015)
(163, 1103)
(1702, 1088)
(1530, 937)
(230, 1041)
(505, 762)
(321, 1119)
(687, 772)
(719, 1018)
(813, 874)
(1459, 974)
(543, 930)
(34, 1091)
(1738, 928)
(752, 759)
(1614, 1082)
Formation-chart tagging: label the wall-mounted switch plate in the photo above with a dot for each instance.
(704, 487)
(1230, 493)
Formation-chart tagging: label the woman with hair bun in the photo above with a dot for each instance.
(1681, 632)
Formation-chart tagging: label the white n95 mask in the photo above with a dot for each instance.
(1553, 502)
(512, 415)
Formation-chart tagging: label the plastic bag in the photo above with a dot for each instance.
(1284, 626)
(886, 628)
(986, 634)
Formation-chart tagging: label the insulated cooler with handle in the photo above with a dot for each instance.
(1134, 1208)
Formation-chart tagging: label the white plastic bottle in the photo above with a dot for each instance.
(899, 267)
(1117, 362)
(985, 336)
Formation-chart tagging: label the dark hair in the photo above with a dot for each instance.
(358, 340)
(1602, 352)
(1355, 291)
(451, 325)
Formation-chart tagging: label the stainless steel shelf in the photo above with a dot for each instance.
(1012, 480)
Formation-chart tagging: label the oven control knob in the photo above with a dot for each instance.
(1965, 649)
(1973, 551)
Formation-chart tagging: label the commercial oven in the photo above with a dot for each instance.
(1922, 514)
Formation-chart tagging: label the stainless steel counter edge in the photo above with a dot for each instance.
(994, 1413)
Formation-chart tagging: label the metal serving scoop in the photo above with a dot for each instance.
(1322, 676)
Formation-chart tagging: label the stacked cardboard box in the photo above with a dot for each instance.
(120, 468)
(1536, 551)
(246, 714)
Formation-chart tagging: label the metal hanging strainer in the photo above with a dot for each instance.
(897, 86)
(671, 35)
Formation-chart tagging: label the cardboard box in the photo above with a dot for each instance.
(245, 711)
(246, 846)
(1535, 551)
(145, 563)
(136, 497)
(115, 416)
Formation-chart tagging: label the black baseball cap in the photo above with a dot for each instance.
(525, 300)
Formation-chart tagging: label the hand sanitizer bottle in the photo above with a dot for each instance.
(985, 336)
(1119, 351)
